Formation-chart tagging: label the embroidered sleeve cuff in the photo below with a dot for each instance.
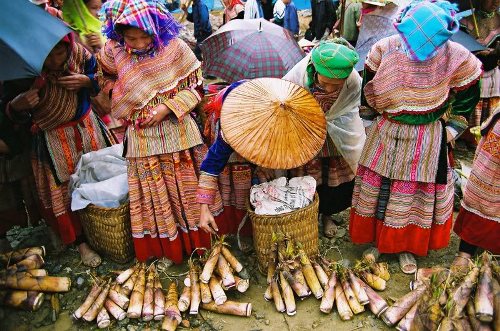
(183, 102)
(207, 189)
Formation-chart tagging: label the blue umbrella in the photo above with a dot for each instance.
(27, 35)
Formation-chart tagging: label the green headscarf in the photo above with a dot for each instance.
(76, 14)
(333, 59)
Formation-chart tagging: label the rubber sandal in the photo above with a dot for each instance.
(407, 260)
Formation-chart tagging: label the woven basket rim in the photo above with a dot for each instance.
(123, 205)
(250, 209)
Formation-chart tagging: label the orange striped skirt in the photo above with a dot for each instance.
(162, 190)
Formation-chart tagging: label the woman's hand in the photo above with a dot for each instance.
(25, 101)
(207, 221)
(74, 82)
(158, 113)
(93, 41)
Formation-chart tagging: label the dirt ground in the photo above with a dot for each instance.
(264, 315)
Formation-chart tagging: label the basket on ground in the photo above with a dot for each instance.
(108, 231)
(300, 225)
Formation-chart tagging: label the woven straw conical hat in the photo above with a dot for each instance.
(273, 123)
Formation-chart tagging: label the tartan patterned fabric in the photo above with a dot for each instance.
(425, 26)
(247, 54)
(150, 16)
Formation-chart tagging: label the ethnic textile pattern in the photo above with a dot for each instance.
(162, 191)
(58, 105)
(56, 153)
(68, 142)
(136, 83)
(482, 192)
(484, 108)
(408, 203)
(235, 182)
(403, 151)
(426, 85)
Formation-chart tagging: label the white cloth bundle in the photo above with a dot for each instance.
(100, 178)
(279, 196)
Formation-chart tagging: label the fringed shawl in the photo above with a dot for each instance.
(136, 84)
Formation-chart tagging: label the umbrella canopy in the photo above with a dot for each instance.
(27, 35)
(273, 123)
(246, 49)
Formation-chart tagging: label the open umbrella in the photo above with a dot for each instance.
(246, 49)
(273, 123)
(27, 35)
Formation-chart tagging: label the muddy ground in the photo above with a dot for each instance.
(264, 316)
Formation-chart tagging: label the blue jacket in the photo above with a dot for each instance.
(200, 17)
(291, 19)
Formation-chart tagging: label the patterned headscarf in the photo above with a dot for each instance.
(150, 16)
(333, 59)
(425, 26)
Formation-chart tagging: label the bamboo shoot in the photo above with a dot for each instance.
(343, 308)
(159, 301)
(218, 293)
(225, 272)
(402, 306)
(483, 300)
(128, 286)
(288, 298)
(406, 323)
(137, 297)
(115, 310)
(26, 300)
(460, 295)
(94, 293)
(233, 261)
(185, 299)
(120, 299)
(210, 265)
(103, 320)
(229, 308)
(21, 254)
(29, 263)
(122, 277)
(355, 306)
(148, 303)
(206, 295)
(97, 305)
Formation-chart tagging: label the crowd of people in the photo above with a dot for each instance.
(391, 126)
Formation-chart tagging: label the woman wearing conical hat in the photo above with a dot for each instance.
(328, 74)
(423, 86)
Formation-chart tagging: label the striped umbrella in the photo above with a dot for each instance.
(247, 49)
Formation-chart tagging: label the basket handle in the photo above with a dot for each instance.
(242, 224)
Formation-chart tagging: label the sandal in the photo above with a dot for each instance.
(461, 263)
(371, 254)
(407, 263)
(329, 227)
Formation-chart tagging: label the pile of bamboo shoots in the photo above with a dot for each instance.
(208, 280)
(24, 282)
(135, 293)
(291, 272)
(450, 300)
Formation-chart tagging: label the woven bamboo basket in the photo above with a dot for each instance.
(108, 231)
(300, 225)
